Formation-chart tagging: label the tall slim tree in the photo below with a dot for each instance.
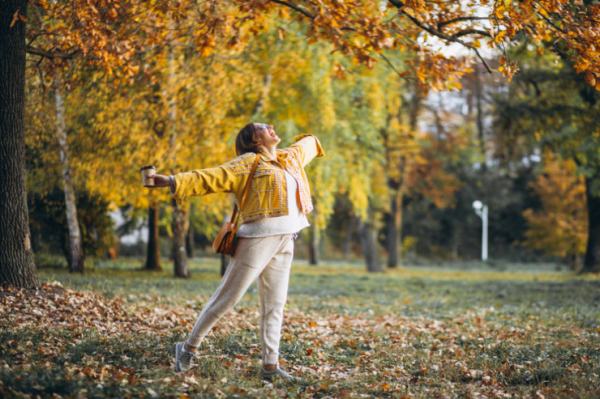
(180, 220)
(75, 248)
(401, 149)
(17, 266)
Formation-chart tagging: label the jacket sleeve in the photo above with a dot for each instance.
(306, 147)
(220, 179)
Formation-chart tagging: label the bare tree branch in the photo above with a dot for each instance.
(52, 54)
(440, 25)
(444, 36)
(396, 3)
(295, 7)
(455, 38)
(471, 32)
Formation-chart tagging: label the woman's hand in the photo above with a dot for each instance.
(160, 181)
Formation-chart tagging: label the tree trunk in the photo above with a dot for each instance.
(75, 256)
(415, 105)
(369, 243)
(455, 240)
(189, 237)
(180, 218)
(17, 266)
(153, 249)
(399, 221)
(592, 253)
(189, 242)
(392, 233)
(313, 245)
(398, 188)
(260, 104)
(347, 245)
(394, 230)
(479, 115)
(180, 224)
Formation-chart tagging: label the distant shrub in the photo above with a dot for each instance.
(50, 261)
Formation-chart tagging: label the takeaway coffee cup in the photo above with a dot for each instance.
(148, 173)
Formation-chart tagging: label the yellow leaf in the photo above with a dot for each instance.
(500, 36)
(499, 11)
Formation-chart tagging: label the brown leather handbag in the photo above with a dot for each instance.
(226, 240)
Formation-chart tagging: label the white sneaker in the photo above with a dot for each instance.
(268, 375)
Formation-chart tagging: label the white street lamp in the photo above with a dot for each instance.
(482, 212)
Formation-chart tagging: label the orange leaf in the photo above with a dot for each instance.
(15, 17)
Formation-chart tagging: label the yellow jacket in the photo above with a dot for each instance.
(267, 194)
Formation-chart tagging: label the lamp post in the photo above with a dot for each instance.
(482, 212)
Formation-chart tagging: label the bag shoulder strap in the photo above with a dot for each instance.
(236, 212)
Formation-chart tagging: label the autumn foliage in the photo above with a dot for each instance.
(559, 228)
(115, 35)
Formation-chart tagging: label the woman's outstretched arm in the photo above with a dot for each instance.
(306, 147)
(199, 181)
(205, 181)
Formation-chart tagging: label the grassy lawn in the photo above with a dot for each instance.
(423, 332)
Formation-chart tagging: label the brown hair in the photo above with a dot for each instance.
(245, 140)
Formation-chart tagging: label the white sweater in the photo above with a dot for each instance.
(293, 222)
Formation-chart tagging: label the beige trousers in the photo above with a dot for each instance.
(269, 259)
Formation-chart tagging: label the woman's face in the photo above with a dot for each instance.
(266, 135)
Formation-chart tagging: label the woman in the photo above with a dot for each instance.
(274, 211)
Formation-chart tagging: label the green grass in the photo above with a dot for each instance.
(445, 331)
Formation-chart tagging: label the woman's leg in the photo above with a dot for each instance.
(250, 258)
(273, 287)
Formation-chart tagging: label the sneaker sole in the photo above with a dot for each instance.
(274, 376)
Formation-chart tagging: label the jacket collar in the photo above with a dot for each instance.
(267, 157)
(281, 156)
